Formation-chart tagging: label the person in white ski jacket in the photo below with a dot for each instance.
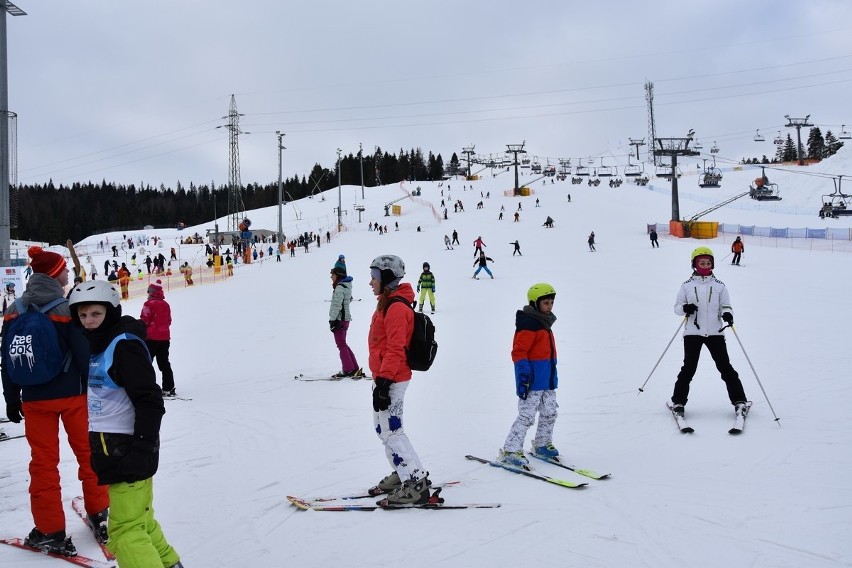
(705, 303)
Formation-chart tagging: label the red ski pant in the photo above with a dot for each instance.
(41, 419)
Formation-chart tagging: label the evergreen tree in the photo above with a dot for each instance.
(816, 144)
(832, 144)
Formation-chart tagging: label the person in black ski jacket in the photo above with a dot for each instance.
(483, 265)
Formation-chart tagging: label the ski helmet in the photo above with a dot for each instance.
(426, 266)
(95, 292)
(540, 291)
(391, 269)
(703, 251)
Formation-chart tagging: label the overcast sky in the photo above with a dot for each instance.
(134, 91)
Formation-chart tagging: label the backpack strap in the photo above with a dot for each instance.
(397, 299)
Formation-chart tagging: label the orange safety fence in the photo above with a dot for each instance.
(175, 280)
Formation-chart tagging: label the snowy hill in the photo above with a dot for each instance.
(773, 497)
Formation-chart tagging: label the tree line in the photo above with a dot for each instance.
(51, 213)
(817, 147)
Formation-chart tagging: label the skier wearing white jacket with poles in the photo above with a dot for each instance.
(705, 303)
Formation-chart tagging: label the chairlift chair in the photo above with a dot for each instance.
(632, 170)
(582, 170)
(779, 140)
(758, 137)
(762, 189)
(715, 148)
(697, 145)
(605, 171)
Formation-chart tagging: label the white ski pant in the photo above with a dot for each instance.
(543, 402)
(398, 448)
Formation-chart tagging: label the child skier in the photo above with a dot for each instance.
(390, 332)
(483, 265)
(427, 283)
(534, 356)
(339, 317)
(125, 411)
(705, 302)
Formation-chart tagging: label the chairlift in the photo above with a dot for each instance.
(710, 177)
(525, 162)
(582, 170)
(536, 166)
(758, 137)
(836, 204)
(844, 134)
(715, 148)
(779, 140)
(605, 171)
(632, 170)
(762, 189)
(697, 145)
(665, 171)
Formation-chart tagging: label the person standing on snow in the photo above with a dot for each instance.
(591, 242)
(125, 412)
(157, 316)
(426, 282)
(536, 379)
(391, 328)
(517, 248)
(653, 235)
(9, 296)
(738, 248)
(705, 303)
(45, 405)
(455, 240)
(339, 317)
(483, 265)
(478, 244)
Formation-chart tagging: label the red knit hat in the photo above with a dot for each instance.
(155, 290)
(46, 262)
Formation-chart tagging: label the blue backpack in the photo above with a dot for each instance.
(33, 354)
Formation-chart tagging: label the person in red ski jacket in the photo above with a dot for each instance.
(157, 315)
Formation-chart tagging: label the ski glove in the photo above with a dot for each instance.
(690, 309)
(13, 412)
(334, 325)
(141, 460)
(524, 385)
(381, 394)
(418, 287)
(728, 317)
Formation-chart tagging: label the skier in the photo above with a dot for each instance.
(426, 282)
(478, 244)
(548, 222)
(157, 316)
(125, 412)
(517, 248)
(738, 248)
(339, 317)
(483, 265)
(391, 327)
(591, 242)
(705, 302)
(447, 242)
(653, 235)
(455, 240)
(44, 406)
(536, 378)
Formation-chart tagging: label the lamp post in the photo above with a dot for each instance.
(5, 224)
(361, 160)
(339, 198)
(280, 188)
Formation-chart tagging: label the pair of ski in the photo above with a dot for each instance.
(7, 437)
(301, 377)
(528, 471)
(736, 429)
(334, 503)
(77, 559)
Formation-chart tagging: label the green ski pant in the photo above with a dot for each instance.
(135, 536)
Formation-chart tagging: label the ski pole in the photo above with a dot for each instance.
(642, 388)
(755, 375)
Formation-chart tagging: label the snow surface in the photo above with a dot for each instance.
(773, 497)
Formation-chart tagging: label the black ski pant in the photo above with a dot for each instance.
(736, 259)
(160, 351)
(718, 350)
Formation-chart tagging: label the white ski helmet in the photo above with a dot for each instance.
(391, 269)
(94, 291)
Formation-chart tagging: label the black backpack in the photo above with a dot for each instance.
(423, 347)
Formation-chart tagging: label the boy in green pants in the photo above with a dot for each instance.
(125, 411)
(426, 285)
